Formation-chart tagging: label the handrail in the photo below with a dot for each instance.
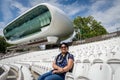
(20, 74)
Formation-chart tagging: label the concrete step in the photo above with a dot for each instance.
(12, 75)
(11, 78)
(35, 75)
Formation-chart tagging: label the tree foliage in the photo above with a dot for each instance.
(3, 45)
(87, 27)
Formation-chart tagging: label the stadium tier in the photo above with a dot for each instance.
(41, 21)
(98, 60)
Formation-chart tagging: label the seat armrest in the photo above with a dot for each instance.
(69, 76)
(82, 77)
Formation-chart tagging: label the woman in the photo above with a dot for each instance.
(62, 64)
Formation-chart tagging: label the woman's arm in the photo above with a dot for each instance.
(69, 65)
(65, 69)
(57, 69)
(55, 66)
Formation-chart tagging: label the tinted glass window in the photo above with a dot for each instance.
(28, 24)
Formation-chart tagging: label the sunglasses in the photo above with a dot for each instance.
(63, 47)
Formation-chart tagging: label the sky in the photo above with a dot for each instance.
(105, 11)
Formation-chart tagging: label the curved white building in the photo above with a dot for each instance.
(41, 21)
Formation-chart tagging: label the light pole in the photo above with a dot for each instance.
(80, 30)
(79, 34)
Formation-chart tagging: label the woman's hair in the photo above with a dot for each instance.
(64, 44)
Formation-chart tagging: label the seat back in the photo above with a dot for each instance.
(100, 71)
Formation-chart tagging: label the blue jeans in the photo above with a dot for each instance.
(50, 76)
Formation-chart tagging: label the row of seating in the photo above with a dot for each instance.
(23, 71)
(93, 61)
(85, 70)
(95, 71)
(41, 67)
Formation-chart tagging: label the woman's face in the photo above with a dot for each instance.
(64, 48)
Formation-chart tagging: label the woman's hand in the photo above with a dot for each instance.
(55, 71)
(60, 70)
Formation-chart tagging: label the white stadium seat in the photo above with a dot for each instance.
(100, 71)
(117, 74)
(93, 61)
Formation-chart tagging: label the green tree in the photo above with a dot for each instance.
(3, 45)
(87, 27)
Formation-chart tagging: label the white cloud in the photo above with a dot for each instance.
(74, 8)
(110, 17)
(97, 5)
(1, 31)
(19, 6)
(5, 9)
(35, 2)
(2, 24)
(70, 9)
